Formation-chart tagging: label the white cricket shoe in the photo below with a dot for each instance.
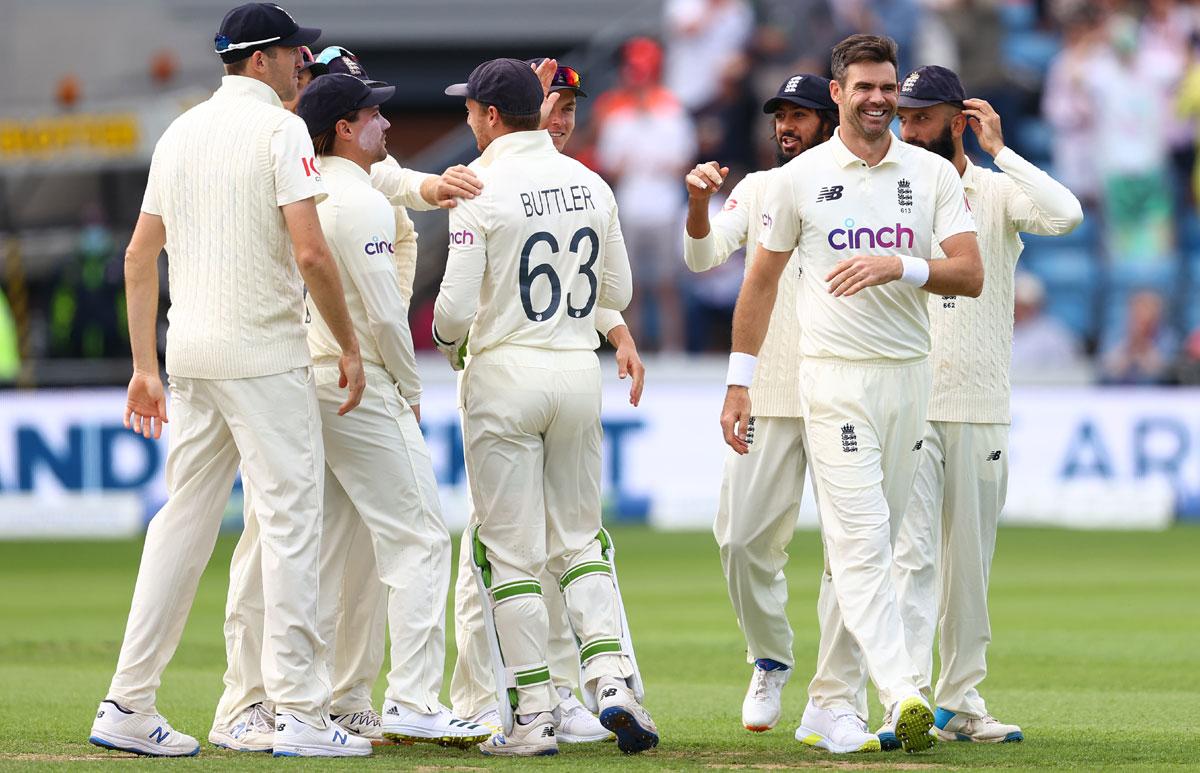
(254, 731)
(294, 738)
(442, 728)
(147, 734)
(364, 724)
(534, 739)
(950, 726)
(490, 718)
(762, 707)
(887, 732)
(913, 719)
(839, 731)
(576, 724)
(625, 717)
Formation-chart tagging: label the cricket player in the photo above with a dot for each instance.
(761, 491)
(865, 211)
(472, 687)
(944, 550)
(244, 720)
(531, 258)
(232, 197)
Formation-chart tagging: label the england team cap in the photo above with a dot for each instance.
(336, 59)
(566, 78)
(509, 85)
(931, 85)
(330, 97)
(257, 26)
(811, 91)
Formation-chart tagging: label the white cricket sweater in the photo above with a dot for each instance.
(972, 337)
(775, 390)
(219, 176)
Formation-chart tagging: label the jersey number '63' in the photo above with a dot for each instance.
(526, 276)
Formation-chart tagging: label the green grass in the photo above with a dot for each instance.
(1096, 655)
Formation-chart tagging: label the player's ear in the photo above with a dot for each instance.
(835, 91)
(343, 130)
(493, 116)
(958, 125)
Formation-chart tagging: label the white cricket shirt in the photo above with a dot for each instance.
(972, 337)
(832, 206)
(775, 390)
(219, 176)
(535, 254)
(360, 227)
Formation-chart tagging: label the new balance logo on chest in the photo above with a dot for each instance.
(830, 193)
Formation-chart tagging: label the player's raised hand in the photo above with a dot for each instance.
(985, 122)
(705, 180)
(457, 182)
(735, 418)
(350, 370)
(145, 405)
(853, 274)
(545, 72)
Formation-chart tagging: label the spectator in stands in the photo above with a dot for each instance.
(645, 142)
(1040, 342)
(1187, 367)
(1130, 99)
(1144, 354)
(703, 39)
(1067, 105)
(87, 309)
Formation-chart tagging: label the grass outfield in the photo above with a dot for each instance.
(1096, 655)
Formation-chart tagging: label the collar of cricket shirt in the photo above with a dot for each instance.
(517, 142)
(972, 176)
(845, 157)
(250, 87)
(339, 166)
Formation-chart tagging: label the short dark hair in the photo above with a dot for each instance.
(862, 48)
(323, 142)
(240, 66)
(522, 123)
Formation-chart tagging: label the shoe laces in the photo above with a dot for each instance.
(260, 720)
(851, 719)
(366, 718)
(760, 684)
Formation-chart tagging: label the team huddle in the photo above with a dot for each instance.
(869, 351)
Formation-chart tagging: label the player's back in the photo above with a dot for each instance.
(551, 244)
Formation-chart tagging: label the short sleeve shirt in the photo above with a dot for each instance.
(833, 206)
(295, 164)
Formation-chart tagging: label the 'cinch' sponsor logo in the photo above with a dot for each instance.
(851, 238)
(463, 237)
(378, 247)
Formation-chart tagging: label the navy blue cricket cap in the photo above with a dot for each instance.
(257, 26)
(931, 85)
(811, 91)
(332, 96)
(336, 59)
(509, 85)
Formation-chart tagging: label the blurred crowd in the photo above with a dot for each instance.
(1104, 94)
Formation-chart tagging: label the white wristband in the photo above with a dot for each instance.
(916, 271)
(741, 369)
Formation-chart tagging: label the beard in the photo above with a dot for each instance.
(782, 156)
(942, 145)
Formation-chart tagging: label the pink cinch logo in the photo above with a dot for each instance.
(463, 237)
(851, 238)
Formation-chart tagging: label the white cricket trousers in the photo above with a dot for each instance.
(532, 430)
(756, 519)
(358, 652)
(944, 557)
(473, 685)
(271, 426)
(863, 421)
(377, 456)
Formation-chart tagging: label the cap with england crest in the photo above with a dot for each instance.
(258, 26)
(804, 90)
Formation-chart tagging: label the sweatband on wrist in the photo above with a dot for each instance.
(916, 271)
(741, 369)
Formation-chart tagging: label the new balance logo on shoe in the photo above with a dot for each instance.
(849, 439)
(158, 735)
(994, 456)
(339, 738)
(548, 731)
(279, 728)
(99, 713)
(608, 693)
(829, 193)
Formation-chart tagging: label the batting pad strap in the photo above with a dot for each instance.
(599, 647)
(583, 570)
(526, 586)
(528, 675)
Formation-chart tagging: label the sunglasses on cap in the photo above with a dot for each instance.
(568, 78)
